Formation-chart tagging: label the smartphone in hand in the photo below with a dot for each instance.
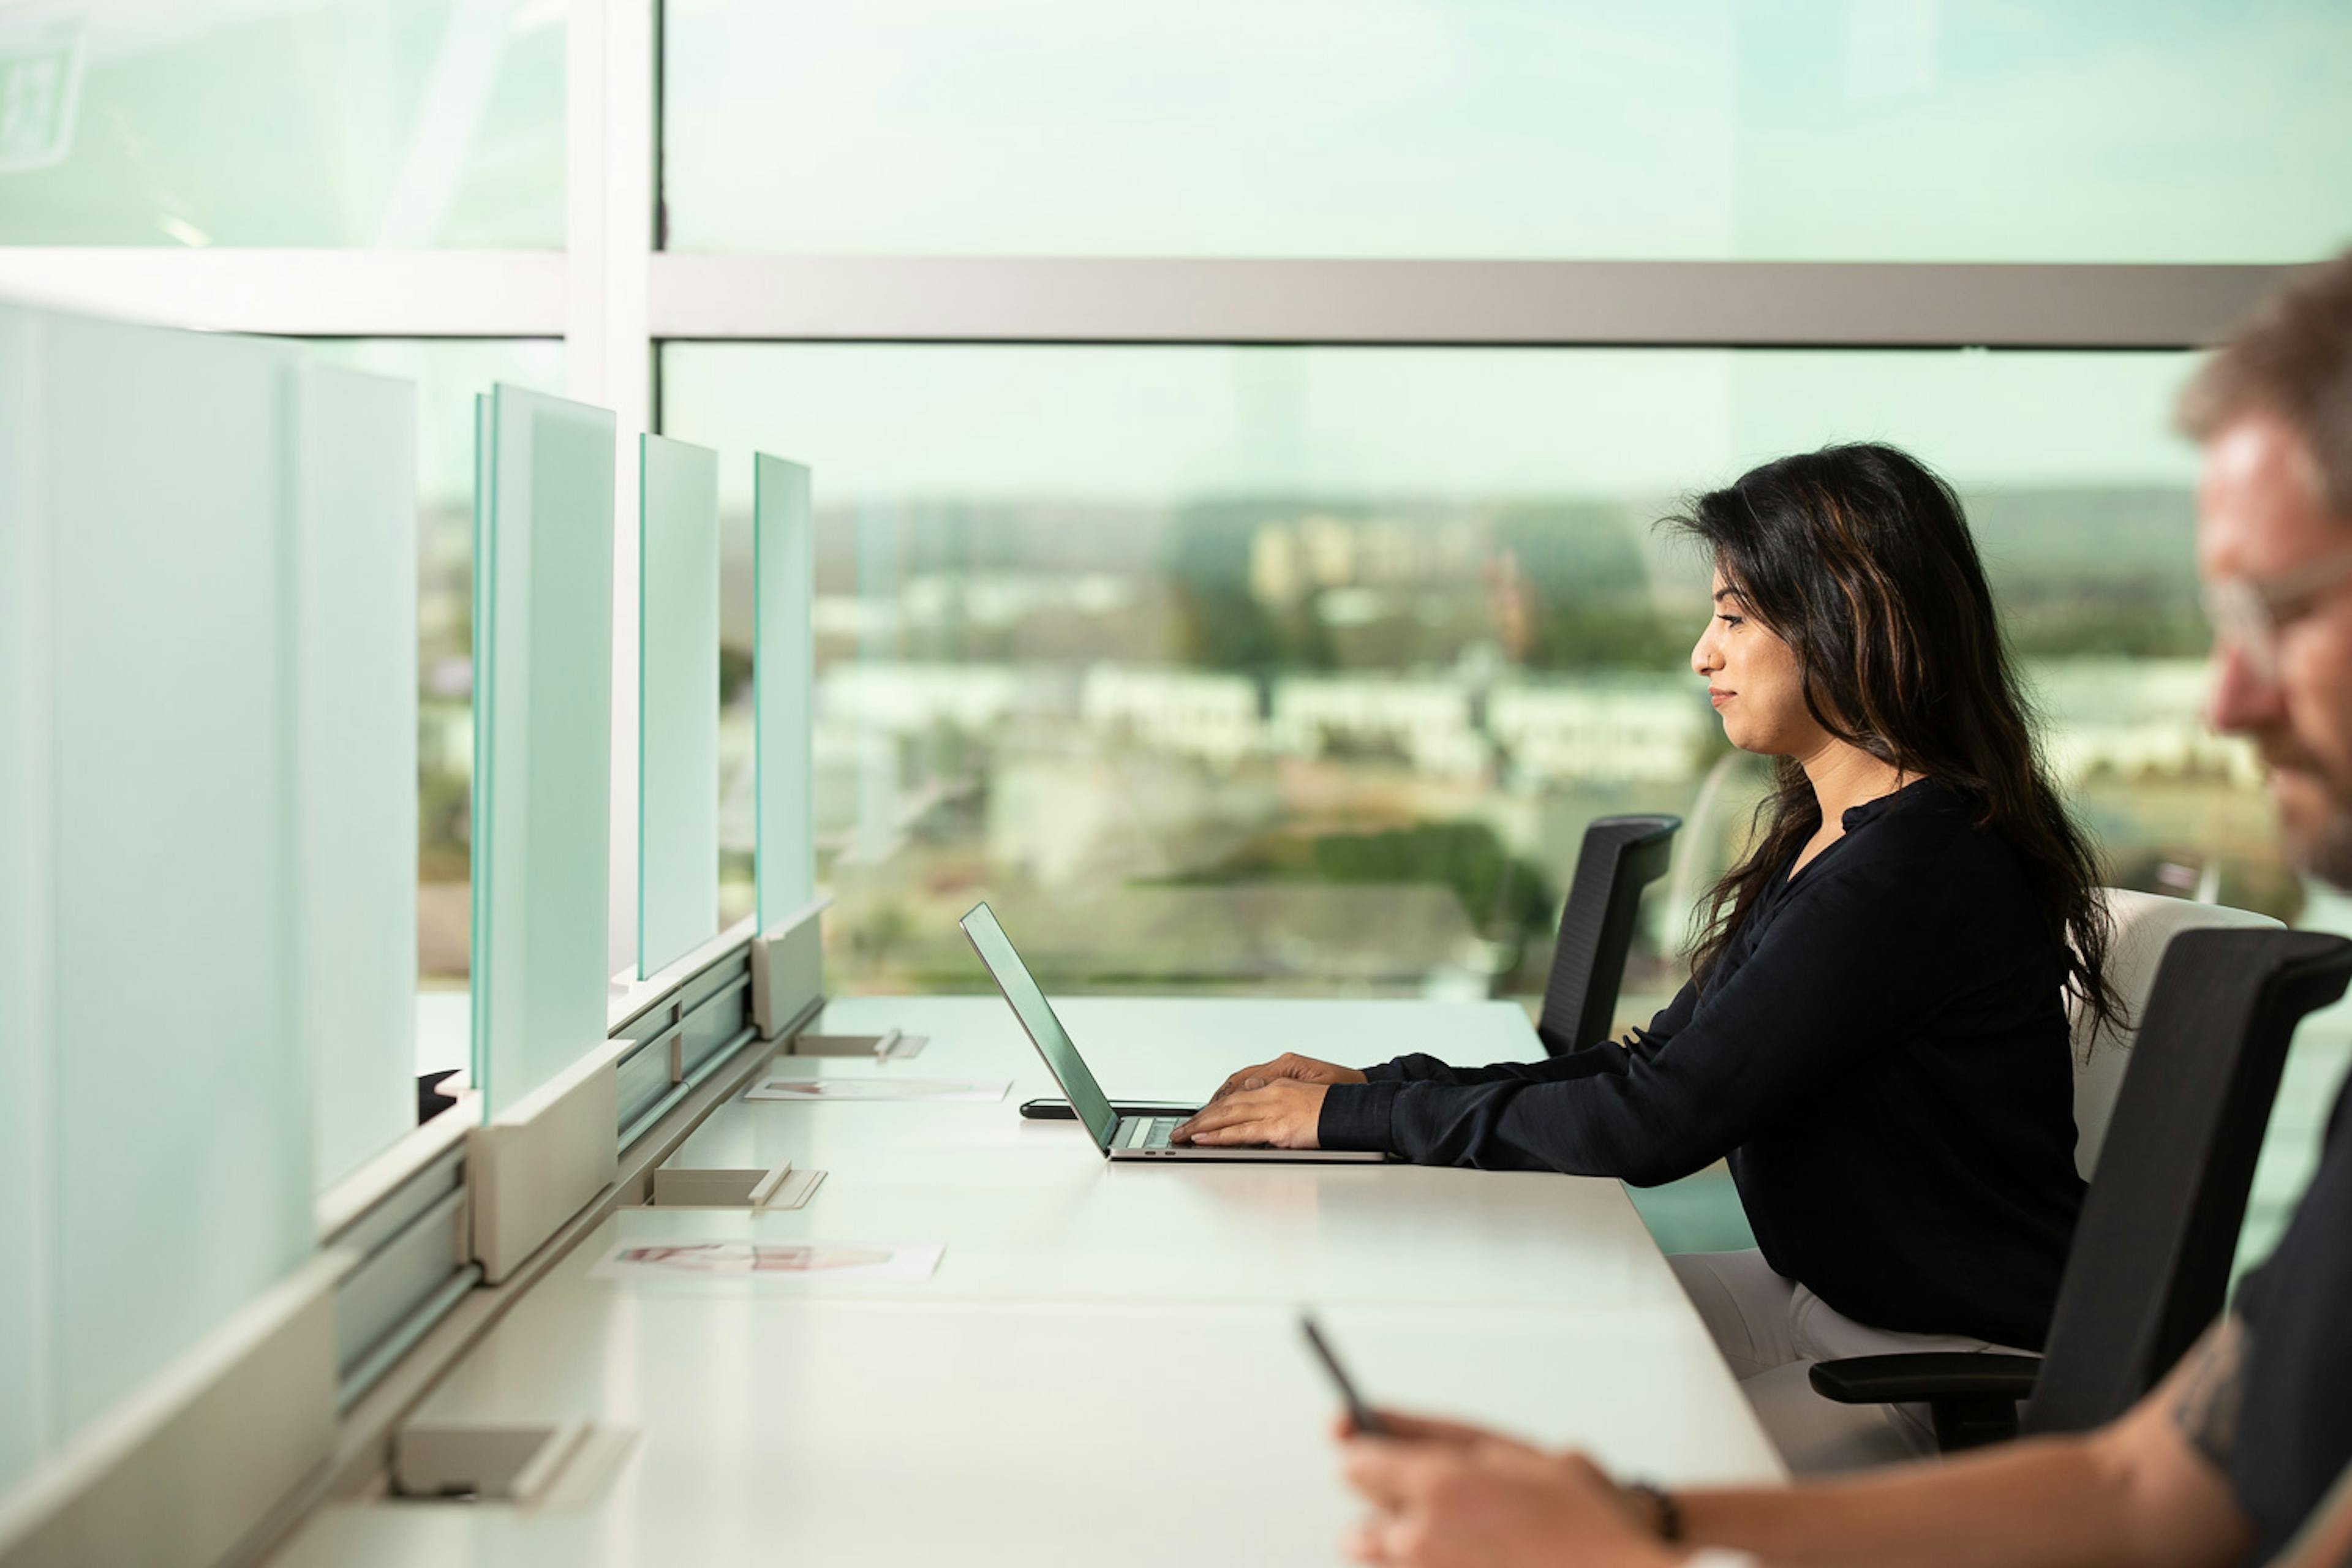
(1359, 1413)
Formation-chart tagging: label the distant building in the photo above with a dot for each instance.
(1620, 727)
(914, 699)
(1191, 712)
(2133, 717)
(1426, 721)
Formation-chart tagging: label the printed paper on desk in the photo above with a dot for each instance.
(780, 1260)
(938, 1090)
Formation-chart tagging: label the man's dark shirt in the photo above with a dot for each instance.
(2293, 1405)
(1881, 1052)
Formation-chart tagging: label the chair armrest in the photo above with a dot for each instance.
(1925, 1377)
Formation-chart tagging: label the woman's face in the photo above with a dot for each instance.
(1751, 678)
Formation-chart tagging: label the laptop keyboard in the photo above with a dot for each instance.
(1155, 1134)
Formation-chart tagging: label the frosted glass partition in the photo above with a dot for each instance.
(24, 881)
(355, 696)
(542, 736)
(156, 1145)
(678, 700)
(784, 677)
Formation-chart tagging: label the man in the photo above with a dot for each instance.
(2237, 1448)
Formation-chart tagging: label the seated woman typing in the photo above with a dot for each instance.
(1875, 1031)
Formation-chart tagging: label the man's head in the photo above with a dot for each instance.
(2274, 411)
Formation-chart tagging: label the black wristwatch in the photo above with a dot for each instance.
(1670, 1513)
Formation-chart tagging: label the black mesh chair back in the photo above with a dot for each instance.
(2159, 1229)
(2151, 1262)
(1619, 857)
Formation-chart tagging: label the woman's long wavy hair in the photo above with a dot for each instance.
(1859, 558)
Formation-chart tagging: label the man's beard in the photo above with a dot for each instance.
(2319, 837)
(2328, 854)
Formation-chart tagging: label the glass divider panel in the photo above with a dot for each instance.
(783, 677)
(178, 1091)
(26, 878)
(543, 721)
(677, 701)
(355, 630)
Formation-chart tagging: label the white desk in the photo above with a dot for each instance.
(1106, 1359)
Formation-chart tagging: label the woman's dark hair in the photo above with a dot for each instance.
(1860, 559)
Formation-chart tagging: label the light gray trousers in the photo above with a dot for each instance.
(1770, 1330)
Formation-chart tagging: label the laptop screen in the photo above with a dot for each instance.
(1030, 1006)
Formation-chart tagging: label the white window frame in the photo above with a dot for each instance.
(615, 298)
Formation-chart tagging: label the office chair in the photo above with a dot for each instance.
(2141, 926)
(1619, 857)
(2151, 1256)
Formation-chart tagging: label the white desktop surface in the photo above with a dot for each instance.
(1107, 1357)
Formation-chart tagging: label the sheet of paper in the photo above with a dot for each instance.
(807, 1086)
(781, 1260)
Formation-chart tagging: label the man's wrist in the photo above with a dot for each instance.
(1665, 1515)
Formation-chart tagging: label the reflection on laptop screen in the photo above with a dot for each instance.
(1030, 1006)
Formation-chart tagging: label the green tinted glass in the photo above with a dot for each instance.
(354, 609)
(1803, 130)
(542, 735)
(399, 124)
(677, 701)
(26, 878)
(784, 677)
(160, 1175)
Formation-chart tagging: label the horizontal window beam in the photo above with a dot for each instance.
(445, 293)
(1693, 303)
(300, 293)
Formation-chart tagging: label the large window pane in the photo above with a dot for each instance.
(394, 123)
(1818, 129)
(1304, 669)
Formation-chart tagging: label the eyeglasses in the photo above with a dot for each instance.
(2247, 612)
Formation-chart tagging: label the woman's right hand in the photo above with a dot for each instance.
(1290, 1064)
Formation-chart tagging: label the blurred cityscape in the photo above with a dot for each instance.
(1313, 746)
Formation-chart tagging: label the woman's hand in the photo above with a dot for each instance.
(1291, 1065)
(1454, 1497)
(1283, 1114)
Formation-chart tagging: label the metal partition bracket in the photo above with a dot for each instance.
(788, 972)
(542, 1161)
(780, 1187)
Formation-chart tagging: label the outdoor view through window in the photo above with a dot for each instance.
(1302, 670)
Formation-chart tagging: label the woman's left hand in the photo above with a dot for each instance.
(1284, 1114)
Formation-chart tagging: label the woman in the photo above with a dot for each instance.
(1875, 1031)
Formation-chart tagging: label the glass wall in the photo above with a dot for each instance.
(400, 125)
(1304, 669)
(1780, 130)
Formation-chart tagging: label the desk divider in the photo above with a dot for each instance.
(787, 956)
(542, 737)
(677, 701)
(205, 547)
(354, 607)
(783, 679)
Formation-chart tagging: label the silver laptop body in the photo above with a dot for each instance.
(1119, 1137)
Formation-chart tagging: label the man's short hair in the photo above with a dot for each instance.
(2291, 361)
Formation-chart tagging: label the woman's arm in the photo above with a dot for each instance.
(1837, 974)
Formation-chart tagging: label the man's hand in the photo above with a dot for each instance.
(1461, 1499)
(1290, 1064)
(1282, 1115)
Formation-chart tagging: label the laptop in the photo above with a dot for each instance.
(1119, 1137)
